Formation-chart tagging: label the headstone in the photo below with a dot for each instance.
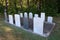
(48, 27)
(10, 19)
(30, 15)
(31, 20)
(50, 19)
(17, 20)
(25, 24)
(36, 15)
(43, 16)
(38, 25)
(21, 15)
(25, 15)
(21, 18)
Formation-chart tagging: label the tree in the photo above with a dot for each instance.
(6, 3)
(21, 3)
(28, 3)
(58, 5)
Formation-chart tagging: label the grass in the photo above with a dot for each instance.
(9, 32)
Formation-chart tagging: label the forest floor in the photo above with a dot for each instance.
(9, 32)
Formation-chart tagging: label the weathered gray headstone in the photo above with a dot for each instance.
(31, 20)
(50, 19)
(17, 20)
(25, 24)
(21, 18)
(38, 25)
(10, 19)
(48, 27)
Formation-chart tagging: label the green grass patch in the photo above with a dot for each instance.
(9, 32)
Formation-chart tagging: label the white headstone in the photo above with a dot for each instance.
(10, 19)
(43, 16)
(25, 15)
(38, 25)
(50, 19)
(36, 15)
(30, 15)
(21, 15)
(17, 20)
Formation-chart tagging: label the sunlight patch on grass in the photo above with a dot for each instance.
(7, 29)
(0, 24)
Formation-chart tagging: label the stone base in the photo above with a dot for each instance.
(45, 34)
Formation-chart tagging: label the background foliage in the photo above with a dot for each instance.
(50, 7)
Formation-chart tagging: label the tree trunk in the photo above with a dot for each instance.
(27, 3)
(15, 5)
(6, 4)
(21, 3)
(5, 11)
(39, 4)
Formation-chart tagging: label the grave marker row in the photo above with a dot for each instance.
(36, 23)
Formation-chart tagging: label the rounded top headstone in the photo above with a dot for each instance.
(36, 15)
(30, 15)
(21, 14)
(25, 15)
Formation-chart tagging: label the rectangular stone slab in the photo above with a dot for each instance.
(38, 25)
(10, 19)
(25, 23)
(17, 20)
(31, 23)
(21, 19)
(48, 27)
